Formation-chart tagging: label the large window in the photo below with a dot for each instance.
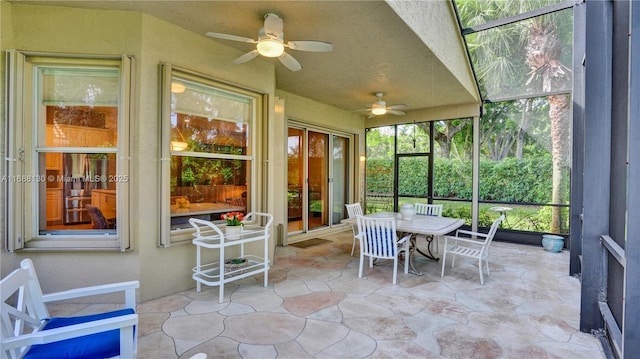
(67, 177)
(208, 131)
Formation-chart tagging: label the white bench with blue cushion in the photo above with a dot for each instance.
(29, 332)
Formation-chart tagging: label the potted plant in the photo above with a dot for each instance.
(234, 222)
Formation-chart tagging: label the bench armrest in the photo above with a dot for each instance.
(128, 287)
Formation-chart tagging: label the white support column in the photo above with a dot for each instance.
(475, 196)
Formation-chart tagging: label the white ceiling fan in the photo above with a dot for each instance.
(271, 43)
(380, 107)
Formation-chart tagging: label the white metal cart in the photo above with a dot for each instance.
(257, 227)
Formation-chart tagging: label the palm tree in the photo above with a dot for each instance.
(526, 57)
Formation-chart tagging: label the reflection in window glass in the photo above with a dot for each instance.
(295, 178)
(79, 109)
(210, 148)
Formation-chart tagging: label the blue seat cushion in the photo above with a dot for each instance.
(92, 346)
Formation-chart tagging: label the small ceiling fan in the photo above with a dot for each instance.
(380, 107)
(271, 43)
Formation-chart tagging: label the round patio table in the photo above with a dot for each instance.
(503, 211)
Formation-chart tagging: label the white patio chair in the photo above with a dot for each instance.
(471, 244)
(425, 209)
(29, 332)
(378, 239)
(429, 209)
(353, 210)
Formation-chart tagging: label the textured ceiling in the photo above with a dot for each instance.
(374, 49)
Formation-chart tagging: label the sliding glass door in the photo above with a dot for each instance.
(318, 177)
(339, 184)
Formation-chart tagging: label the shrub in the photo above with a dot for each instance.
(510, 180)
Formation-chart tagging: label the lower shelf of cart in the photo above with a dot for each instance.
(209, 274)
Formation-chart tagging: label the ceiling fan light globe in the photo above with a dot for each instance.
(378, 109)
(270, 48)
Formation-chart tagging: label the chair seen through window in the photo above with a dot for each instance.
(98, 219)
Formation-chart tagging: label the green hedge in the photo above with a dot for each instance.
(509, 180)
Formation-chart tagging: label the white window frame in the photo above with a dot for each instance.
(168, 236)
(22, 158)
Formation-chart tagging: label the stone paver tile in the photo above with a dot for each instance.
(331, 314)
(219, 347)
(236, 309)
(361, 307)
(555, 350)
(291, 288)
(382, 328)
(391, 349)
(155, 346)
(317, 285)
(292, 350)
(205, 306)
(355, 345)
(506, 328)
(318, 335)
(266, 301)
(164, 304)
(425, 326)
(400, 301)
(310, 303)
(311, 273)
(249, 351)
(353, 285)
(462, 342)
(448, 309)
(263, 328)
(150, 323)
(198, 328)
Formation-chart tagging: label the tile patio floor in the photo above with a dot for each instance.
(316, 307)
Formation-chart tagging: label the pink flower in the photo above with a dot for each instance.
(233, 218)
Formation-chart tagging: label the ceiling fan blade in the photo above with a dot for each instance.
(362, 109)
(371, 115)
(396, 112)
(290, 62)
(246, 57)
(315, 46)
(273, 25)
(231, 37)
(397, 107)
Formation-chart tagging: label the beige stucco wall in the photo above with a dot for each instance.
(168, 270)
(161, 271)
(51, 29)
(446, 42)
